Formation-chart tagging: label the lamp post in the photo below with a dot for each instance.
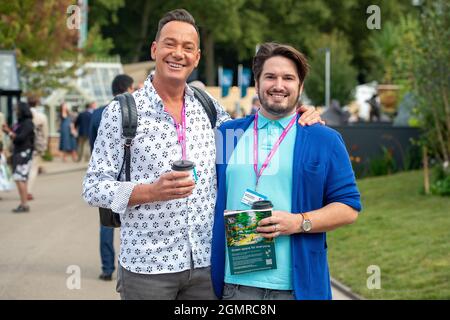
(83, 31)
(327, 75)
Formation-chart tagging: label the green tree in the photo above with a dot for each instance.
(137, 26)
(359, 36)
(96, 46)
(384, 45)
(101, 12)
(343, 74)
(38, 33)
(423, 61)
(231, 29)
(218, 21)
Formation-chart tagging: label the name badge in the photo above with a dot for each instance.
(251, 196)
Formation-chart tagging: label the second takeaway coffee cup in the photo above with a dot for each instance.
(185, 165)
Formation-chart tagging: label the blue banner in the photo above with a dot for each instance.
(245, 76)
(225, 80)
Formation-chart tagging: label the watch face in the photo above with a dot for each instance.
(307, 225)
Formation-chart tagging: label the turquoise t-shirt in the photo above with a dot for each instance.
(275, 183)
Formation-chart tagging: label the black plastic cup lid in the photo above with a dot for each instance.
(183, 165)
(263, 204)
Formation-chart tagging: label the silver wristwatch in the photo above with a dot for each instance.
(306, 224)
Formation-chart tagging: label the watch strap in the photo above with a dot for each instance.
(305, 218)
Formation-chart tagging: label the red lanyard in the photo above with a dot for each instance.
(181, 131)
(274, 148)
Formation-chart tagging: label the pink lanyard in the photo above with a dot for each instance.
(181, 131)
(274, 148)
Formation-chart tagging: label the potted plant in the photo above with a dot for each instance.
(384, 45)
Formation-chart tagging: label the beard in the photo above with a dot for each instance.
(279, 110)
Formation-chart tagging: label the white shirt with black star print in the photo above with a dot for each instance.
(157, 237)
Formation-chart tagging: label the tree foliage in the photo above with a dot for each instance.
(355, 28)
(343, 74)
(37, 30)
(423, 61)
(233, 28)
(384, 45)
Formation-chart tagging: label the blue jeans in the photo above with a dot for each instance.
(107, 249)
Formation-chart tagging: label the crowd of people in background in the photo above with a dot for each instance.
(28, 141)
(24, 144)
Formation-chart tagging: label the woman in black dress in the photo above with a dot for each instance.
(22, 136)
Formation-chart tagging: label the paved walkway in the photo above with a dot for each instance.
(42, 252)
(57, 166)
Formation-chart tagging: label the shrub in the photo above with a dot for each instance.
(382, 165)
(441, 181)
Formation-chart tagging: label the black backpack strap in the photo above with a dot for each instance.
(129, 125)
(207, 104)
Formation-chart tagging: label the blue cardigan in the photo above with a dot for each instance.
(322, 174)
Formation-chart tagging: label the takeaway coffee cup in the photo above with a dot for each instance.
(186, 165)
(262, 205)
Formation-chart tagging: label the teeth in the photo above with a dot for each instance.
(175, 65)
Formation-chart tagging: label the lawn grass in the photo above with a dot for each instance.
(403, 232)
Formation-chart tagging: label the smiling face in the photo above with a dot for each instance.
(176, 52)
(278, 87)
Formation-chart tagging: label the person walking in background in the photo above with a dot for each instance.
(255, 105)
(5, 173)
(121, 83)
(40, 142)
(22, 136)
(82, 125)
(2, 121)
(67, 142)
(5, 180)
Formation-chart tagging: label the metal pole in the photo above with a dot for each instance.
(220, 80)
(327, 77)
(220, 71)
(238, 103)
(83, 28)
(10, 112)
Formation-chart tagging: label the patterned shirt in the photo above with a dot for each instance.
(157, 237)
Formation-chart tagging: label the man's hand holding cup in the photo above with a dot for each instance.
(177, 184)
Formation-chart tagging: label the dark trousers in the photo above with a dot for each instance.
(107, 249)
